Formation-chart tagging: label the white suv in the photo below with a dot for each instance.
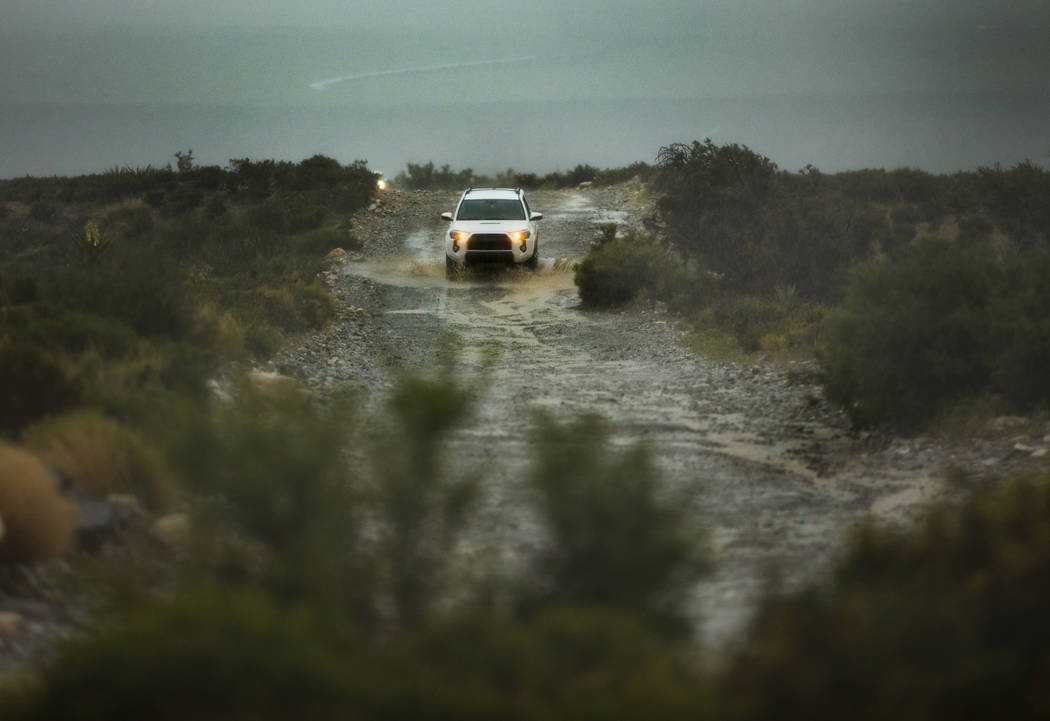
(491, 225)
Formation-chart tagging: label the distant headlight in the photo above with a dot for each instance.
(519, 235)
(460, 236)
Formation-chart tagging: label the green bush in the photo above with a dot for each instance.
(262, 340)
(946, 321)
(914, 334)
(944, 621)
(211, 653)
(104, 457)
(34, 382)
(616, 539)
(38, 522)
(318, 242)
(619, 269)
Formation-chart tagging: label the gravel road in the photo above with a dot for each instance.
(772, 471)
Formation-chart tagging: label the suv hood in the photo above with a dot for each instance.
(490, 226)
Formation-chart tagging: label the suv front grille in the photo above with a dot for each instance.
(489, 241)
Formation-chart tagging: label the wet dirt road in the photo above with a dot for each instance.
(743, 444)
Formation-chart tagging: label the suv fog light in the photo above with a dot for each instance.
(455, 247)
(524, 247)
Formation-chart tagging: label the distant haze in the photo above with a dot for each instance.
(539, 85)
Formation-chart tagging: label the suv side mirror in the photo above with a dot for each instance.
(536, 216)
(447, 216)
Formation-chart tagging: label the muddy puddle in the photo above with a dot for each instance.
(717, 430)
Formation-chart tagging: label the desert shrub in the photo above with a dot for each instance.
(748, 318)
(129, 221)
(209, 653)
(185, 198)
(272, 474)
(301, 214)
(38, 522)
(318, 242)
(72, 331)
(34, 383)
(216, 330)
(103, 457)
(946, 620)
(18, 288)
(215, 653)
(913, 334)
(421, 506)
(262, 340)
(315, 305)
(616, 539)
(215, 207)
(1017, 200)
(44, 212)
(614, 176)
(947, 320)
(268, 215)
(1020, 331)
(140, 289)
(618, 269)
(424, 176)
(278, 307)
(566, 663)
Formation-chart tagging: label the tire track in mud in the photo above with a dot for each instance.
(736, 440)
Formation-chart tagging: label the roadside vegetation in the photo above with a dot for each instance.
(330, 565)
(123, 288)
(425, 176)
(917, 292)
(318, 583)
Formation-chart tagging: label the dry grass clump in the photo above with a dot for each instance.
(39, 523)
(103, 457)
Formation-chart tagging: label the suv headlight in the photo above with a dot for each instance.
(460, 236)
(519, 235)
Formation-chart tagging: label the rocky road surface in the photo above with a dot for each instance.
(772, 471)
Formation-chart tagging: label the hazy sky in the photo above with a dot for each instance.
(402, 54)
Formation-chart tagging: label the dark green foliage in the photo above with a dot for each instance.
(44, 212)
(421, 504)
(945, 321)
(212, 653)
(619, 268)
(158, 277)
(1021, 331)
(945, 621)
(33, 384)
(320, 241)
(1018, 200)
(275, 464)
(729, 210)
(615, 541)
(424, 176)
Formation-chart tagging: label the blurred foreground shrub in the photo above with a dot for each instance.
(616, 539)
(34, 383)
(38, 522)
(205, 654)
(104, 457)
(941, 622)
(272, 475)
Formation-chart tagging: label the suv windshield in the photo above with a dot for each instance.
(491, 209)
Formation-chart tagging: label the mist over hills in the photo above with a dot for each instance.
(839, 87)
